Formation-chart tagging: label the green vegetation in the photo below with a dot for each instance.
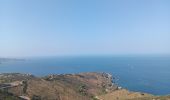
(5, 80)
(35, 97)
(104, 91)
(94, 98)
(82, 89)
(25, 85)
(5, 95)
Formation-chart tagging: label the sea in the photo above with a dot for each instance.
(150, 74)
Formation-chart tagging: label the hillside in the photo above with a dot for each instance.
(82, 86)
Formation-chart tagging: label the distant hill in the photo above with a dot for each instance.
(9, 59)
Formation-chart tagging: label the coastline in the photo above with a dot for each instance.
(90, 85)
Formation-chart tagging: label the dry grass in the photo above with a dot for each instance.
(122, 95)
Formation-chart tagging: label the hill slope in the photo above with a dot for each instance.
(82, 86)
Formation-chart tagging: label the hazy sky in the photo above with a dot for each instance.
(84, 27)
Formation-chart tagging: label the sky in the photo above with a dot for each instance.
(84, 27)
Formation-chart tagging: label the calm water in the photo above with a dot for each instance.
(146, 74)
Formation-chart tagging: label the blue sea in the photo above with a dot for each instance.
(150, 74)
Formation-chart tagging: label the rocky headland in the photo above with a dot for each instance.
(82, 86)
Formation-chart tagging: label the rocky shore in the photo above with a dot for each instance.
(82, 86)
